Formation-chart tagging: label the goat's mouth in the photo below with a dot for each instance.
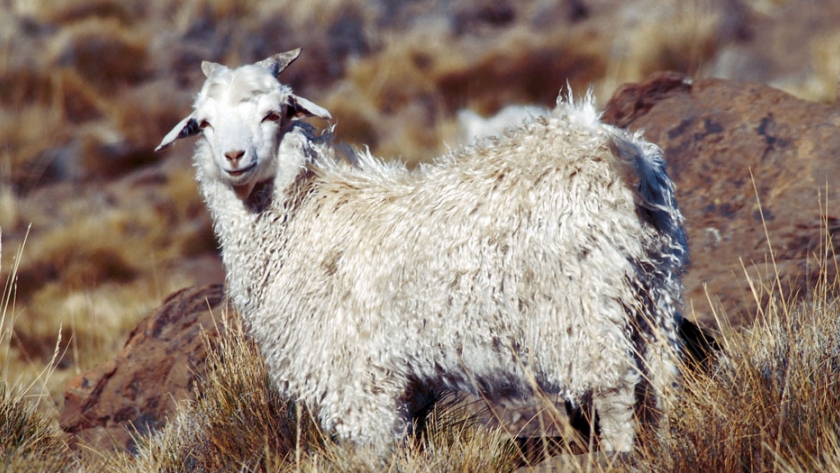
(240, 172)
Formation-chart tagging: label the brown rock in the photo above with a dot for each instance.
(715, 133)
(136, 392)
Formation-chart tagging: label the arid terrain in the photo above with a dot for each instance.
(97, 229)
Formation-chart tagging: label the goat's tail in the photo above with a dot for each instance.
(654, 189)
(643, 168)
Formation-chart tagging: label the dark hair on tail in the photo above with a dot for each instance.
(655, 191)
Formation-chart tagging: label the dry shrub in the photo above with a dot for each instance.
(773, 399)
(519, 67)
(676, 36)
(63, 89)
(145, 114)
(320, 15)
(108, 238)
(26, 135)
(767, 7)
(9, 211)
(329, 32)
(210, 11)
(528, 68)
(401, 100)
(128, 228)
(64, 12)
(826, 62)
(40, 115)
(101, 264)
(103, 155)
(76, 98)
(823, 83)
(67, 131)
(450, 441)
(28, 439)
(24, 86)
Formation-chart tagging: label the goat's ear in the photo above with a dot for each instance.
(299, 107)
(210, 68)
(277, 63)
(186, 128)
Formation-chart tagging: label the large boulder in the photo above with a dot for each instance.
(135, 393)
(729, 145)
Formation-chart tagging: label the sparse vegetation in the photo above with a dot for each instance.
(87, 88)
(769, 400)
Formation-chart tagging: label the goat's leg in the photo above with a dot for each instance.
(661, 368)
(615, 408)
(370, 414)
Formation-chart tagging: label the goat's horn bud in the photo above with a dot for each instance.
(277, 63)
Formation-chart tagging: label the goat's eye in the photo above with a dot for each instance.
(204, 124)
(273, 116)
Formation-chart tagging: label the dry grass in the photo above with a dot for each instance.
(770, 401)
(79, 274)
(87, 88)
(823, 84)
(687, 44)
(29, 440)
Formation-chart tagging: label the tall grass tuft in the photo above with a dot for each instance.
(771, 402)
(28, 439)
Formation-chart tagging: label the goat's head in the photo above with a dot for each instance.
(243, 114)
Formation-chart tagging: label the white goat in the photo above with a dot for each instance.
(548, 260)
(474, 127)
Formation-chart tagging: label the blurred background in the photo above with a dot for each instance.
(88, 88)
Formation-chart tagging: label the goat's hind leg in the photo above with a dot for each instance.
(661, 369)
(615, 408)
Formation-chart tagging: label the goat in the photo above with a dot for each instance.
(474, 127)
(548, 259)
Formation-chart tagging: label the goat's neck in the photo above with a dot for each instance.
(249, 228)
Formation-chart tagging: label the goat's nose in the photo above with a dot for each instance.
(234, 156)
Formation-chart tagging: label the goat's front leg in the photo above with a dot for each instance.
(370, 413)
